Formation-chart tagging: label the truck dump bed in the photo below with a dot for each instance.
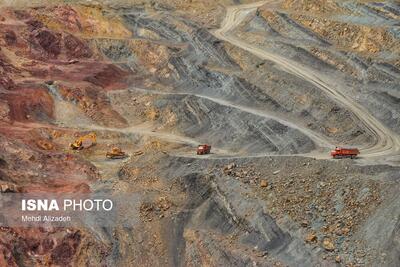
(341, 152)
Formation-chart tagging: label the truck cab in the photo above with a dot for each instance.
(203, 149)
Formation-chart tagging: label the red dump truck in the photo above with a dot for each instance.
(341, 152)
(203, 149)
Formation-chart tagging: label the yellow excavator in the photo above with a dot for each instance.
(85, 141)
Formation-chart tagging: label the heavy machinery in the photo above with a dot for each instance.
(341, 152)
(116, 153)
(85, 141)
(203, 149)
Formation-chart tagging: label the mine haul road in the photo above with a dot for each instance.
(386, 143)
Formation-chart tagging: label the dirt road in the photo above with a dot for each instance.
(318, 139)
(386, 142)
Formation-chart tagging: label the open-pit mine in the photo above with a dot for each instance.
(224, 132)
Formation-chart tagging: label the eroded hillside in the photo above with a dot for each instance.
(272, 86)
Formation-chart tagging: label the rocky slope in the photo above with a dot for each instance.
(153, 78)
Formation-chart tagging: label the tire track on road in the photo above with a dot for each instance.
(386, 143)
(318, 139)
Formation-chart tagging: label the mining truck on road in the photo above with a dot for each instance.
(203, 149)
(341, 152)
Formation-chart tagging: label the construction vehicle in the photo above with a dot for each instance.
(116, 153)
(85, 141)
(203, 149)
(341, 152)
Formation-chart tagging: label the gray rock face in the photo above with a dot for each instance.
(245, 104)
(271, 89)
